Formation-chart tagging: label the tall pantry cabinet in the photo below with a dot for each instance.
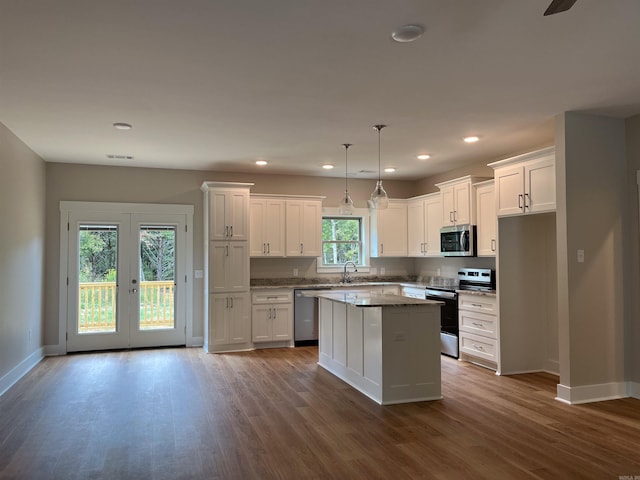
(227, 297)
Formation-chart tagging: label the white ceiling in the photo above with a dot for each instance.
(218, 84)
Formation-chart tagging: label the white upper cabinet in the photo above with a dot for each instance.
(267, 220)
(458, 204)
(526, 183)
(389, 230)
(486, 218)
(228, 212)
(303, 228)
(424, 219)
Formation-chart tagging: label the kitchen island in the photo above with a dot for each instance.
(385, 346)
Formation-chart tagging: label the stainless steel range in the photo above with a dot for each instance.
(445, 290)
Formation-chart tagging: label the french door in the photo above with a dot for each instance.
(126, 280)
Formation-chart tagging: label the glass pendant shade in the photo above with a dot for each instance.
(346, 204)
(379, 198)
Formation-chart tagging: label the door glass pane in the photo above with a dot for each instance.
(157, 277)
(97, 278)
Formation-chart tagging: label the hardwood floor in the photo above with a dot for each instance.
(181, 413)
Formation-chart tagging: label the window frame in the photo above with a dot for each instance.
(363, 215)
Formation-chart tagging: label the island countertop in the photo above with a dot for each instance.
(359, 298)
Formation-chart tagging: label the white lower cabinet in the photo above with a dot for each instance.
(229, 317)
(272, 316)
(478, 323)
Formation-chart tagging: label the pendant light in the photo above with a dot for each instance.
(379, 198)
(346, 204)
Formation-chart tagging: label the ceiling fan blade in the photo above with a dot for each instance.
(558, 6)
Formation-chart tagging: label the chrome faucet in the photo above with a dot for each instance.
(346, 276)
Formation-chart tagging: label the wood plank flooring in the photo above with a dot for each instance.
(274, 414)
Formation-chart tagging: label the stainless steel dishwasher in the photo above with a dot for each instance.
(305, 318)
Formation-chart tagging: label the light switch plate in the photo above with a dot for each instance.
(580, 256)
(198, 273)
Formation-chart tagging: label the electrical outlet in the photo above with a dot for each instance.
(295, 272)
(198, 274)
(580, 256)
(373, 271)
(382, 270)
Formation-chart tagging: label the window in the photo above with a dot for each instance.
(342, 241)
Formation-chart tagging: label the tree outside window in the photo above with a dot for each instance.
(341, 240)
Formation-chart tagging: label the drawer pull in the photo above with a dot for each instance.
(481, 325)
(479, 305)
(478, 347)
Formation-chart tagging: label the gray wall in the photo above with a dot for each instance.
(591, 215)
(22, 197)
(143, 185)
(632, 253)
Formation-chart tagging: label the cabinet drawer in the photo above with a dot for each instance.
(276, 296)
(477, 346)
(477, 323)
(478, 303)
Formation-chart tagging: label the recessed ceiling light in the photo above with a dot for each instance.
(327, 166)
(390, 170)
(407, 33)
(424, 156)
(473, 139)
(122, 126)
(261, 162)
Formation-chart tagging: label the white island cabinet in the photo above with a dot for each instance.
(385, 346)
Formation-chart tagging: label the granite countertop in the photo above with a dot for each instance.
(367, 299)
(310, 283)
(480, 293)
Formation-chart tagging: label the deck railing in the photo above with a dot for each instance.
(97, 306)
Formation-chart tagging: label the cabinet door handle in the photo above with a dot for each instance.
(520, 198)
(526, 196)
(226, 231)
(264, 248)
(231, 299)
(275, 313)
(269, 316)
(493, 245)
(382, 249)
(227, 306)
(450, 217)
(301, 248)
(455, 216)
(226, 250)
(268, 248)
(231, 231)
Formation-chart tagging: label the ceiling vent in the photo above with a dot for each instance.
(367, 172)
(112, 156)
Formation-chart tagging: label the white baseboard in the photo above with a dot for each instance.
(20, 370)
(195, 342)
(54, 350)
(592, 393)
(633, 389)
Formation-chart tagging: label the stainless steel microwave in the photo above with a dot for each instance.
(458, 241)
